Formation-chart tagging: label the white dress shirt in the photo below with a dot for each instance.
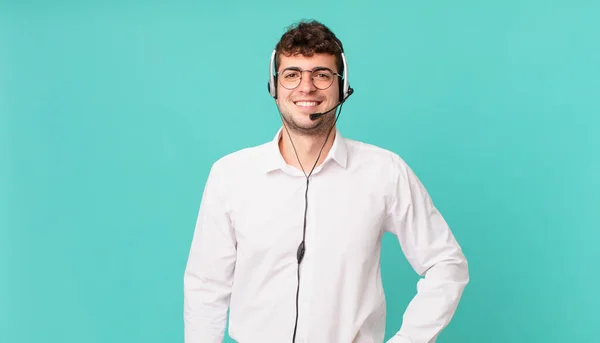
(243, 253)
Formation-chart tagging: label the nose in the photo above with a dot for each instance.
(306, 84)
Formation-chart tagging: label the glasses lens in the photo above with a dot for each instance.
(322, 78)
(290, 78)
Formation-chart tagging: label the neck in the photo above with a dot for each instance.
(307, 148)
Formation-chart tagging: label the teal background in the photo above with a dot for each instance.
(111, 114)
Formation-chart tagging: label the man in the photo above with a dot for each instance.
(288, 234)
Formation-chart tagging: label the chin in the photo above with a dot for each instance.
(306, 122)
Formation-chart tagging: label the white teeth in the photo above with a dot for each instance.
(306, 103)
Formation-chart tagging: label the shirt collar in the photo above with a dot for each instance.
(273, 159)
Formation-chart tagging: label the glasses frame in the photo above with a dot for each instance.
(311, 71)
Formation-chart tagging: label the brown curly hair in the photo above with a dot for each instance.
(309, 37)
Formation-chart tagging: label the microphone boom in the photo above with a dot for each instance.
(315, 116)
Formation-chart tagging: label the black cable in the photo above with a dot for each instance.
(300, 255)
(302, 247)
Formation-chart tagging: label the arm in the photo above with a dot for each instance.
(433, 252)
(208, 275)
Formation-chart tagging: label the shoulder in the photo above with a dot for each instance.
(239, 162)
(231, 169)
(240, 157)
(401, 184)
(377, 156)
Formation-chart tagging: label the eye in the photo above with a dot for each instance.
(322, 74)
(291, 74)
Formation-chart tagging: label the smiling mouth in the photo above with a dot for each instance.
(304, 103)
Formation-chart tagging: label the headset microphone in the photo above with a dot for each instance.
(315, 116)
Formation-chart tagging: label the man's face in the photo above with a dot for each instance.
(297, 104)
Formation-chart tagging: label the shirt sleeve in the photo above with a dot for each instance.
(432, 251)
(209, 271)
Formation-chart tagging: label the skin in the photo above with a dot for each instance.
(308, 135)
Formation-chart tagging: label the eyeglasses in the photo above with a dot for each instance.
(322, 78)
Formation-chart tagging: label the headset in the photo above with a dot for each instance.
(345, 90)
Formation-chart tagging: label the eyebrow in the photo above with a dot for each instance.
(296, 67)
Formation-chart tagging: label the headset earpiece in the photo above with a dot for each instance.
(272, 78)
(346, 85)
